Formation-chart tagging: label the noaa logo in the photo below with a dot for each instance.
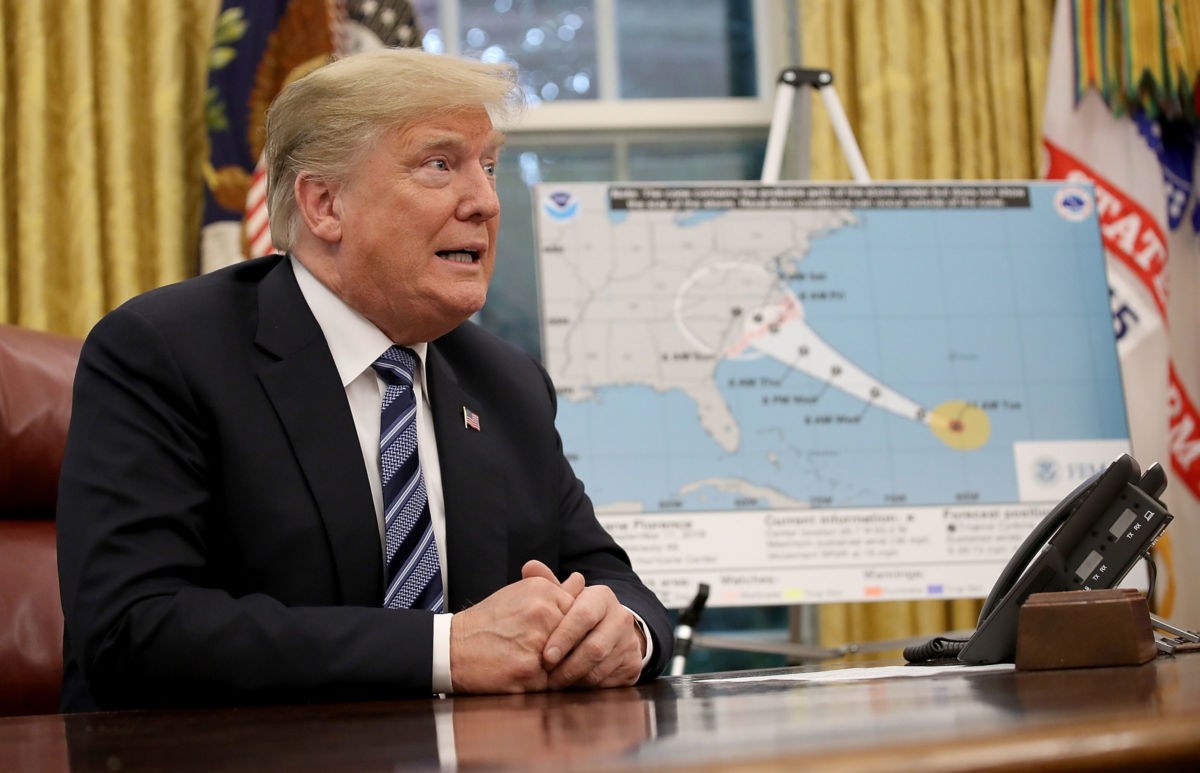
(561, 205)
(1045, 470)
(1074, 204)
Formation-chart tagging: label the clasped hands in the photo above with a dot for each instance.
(540, 634)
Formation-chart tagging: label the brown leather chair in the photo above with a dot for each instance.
(36, 373)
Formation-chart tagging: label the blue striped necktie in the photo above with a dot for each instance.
(414, 577)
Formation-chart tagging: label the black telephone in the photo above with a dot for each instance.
(1088, 541)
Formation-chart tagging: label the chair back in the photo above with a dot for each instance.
(36, 375)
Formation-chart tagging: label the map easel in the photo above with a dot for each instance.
(790, 80)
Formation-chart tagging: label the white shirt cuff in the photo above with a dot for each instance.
(441, 654)
(645, 632)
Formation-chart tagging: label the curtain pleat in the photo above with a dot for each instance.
(115, 79)
(1038, 21)
(27, 42)
(166, 73)
(934, 89)
(72, 99)
(937, 89)
(102, 130)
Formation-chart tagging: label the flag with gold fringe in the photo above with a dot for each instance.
(1121, 113)
(1139, 55)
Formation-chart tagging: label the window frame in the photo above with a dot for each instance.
(609, 112)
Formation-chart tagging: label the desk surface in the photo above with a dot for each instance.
(1129, 718)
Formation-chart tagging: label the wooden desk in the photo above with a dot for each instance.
(1133, 718)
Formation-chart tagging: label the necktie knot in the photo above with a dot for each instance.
(396, 365)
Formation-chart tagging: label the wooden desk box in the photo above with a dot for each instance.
(1084, 629)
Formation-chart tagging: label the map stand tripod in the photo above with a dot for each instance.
(789, 81)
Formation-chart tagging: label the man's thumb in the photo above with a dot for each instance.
(535, 568)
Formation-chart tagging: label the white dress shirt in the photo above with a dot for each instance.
(355, 344)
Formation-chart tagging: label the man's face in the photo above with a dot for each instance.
(418, 226)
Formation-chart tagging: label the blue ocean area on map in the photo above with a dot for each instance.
(1003, 309)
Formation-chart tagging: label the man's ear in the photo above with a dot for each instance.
(319, 207)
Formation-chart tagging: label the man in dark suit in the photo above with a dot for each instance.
(225, 523)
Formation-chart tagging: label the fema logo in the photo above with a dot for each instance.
(561, 205)
(1074, 204)
(1045, 470)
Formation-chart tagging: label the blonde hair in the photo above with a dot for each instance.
(324, 123)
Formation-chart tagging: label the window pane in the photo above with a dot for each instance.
(666, 48)
(728, 157)
(553, 42)
(686, 48)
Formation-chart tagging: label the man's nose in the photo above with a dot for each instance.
(478, 200)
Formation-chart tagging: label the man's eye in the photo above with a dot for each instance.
(439, 164)
(490, 169)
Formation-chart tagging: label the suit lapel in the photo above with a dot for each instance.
(477, 541)
(303, 385)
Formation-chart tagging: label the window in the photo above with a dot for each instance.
(580, 50)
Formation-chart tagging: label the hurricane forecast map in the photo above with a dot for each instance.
(827, 379)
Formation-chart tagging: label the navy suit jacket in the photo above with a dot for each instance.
(217, 537)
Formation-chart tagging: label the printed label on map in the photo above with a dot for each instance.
(955, 196)
(824, 555)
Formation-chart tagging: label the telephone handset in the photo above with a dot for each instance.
(1088, 541)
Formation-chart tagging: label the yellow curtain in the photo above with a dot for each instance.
(934, 89)
(101, 116)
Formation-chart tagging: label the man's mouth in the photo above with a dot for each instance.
(459, 256)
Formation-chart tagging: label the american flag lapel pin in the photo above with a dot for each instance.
(470, 419)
